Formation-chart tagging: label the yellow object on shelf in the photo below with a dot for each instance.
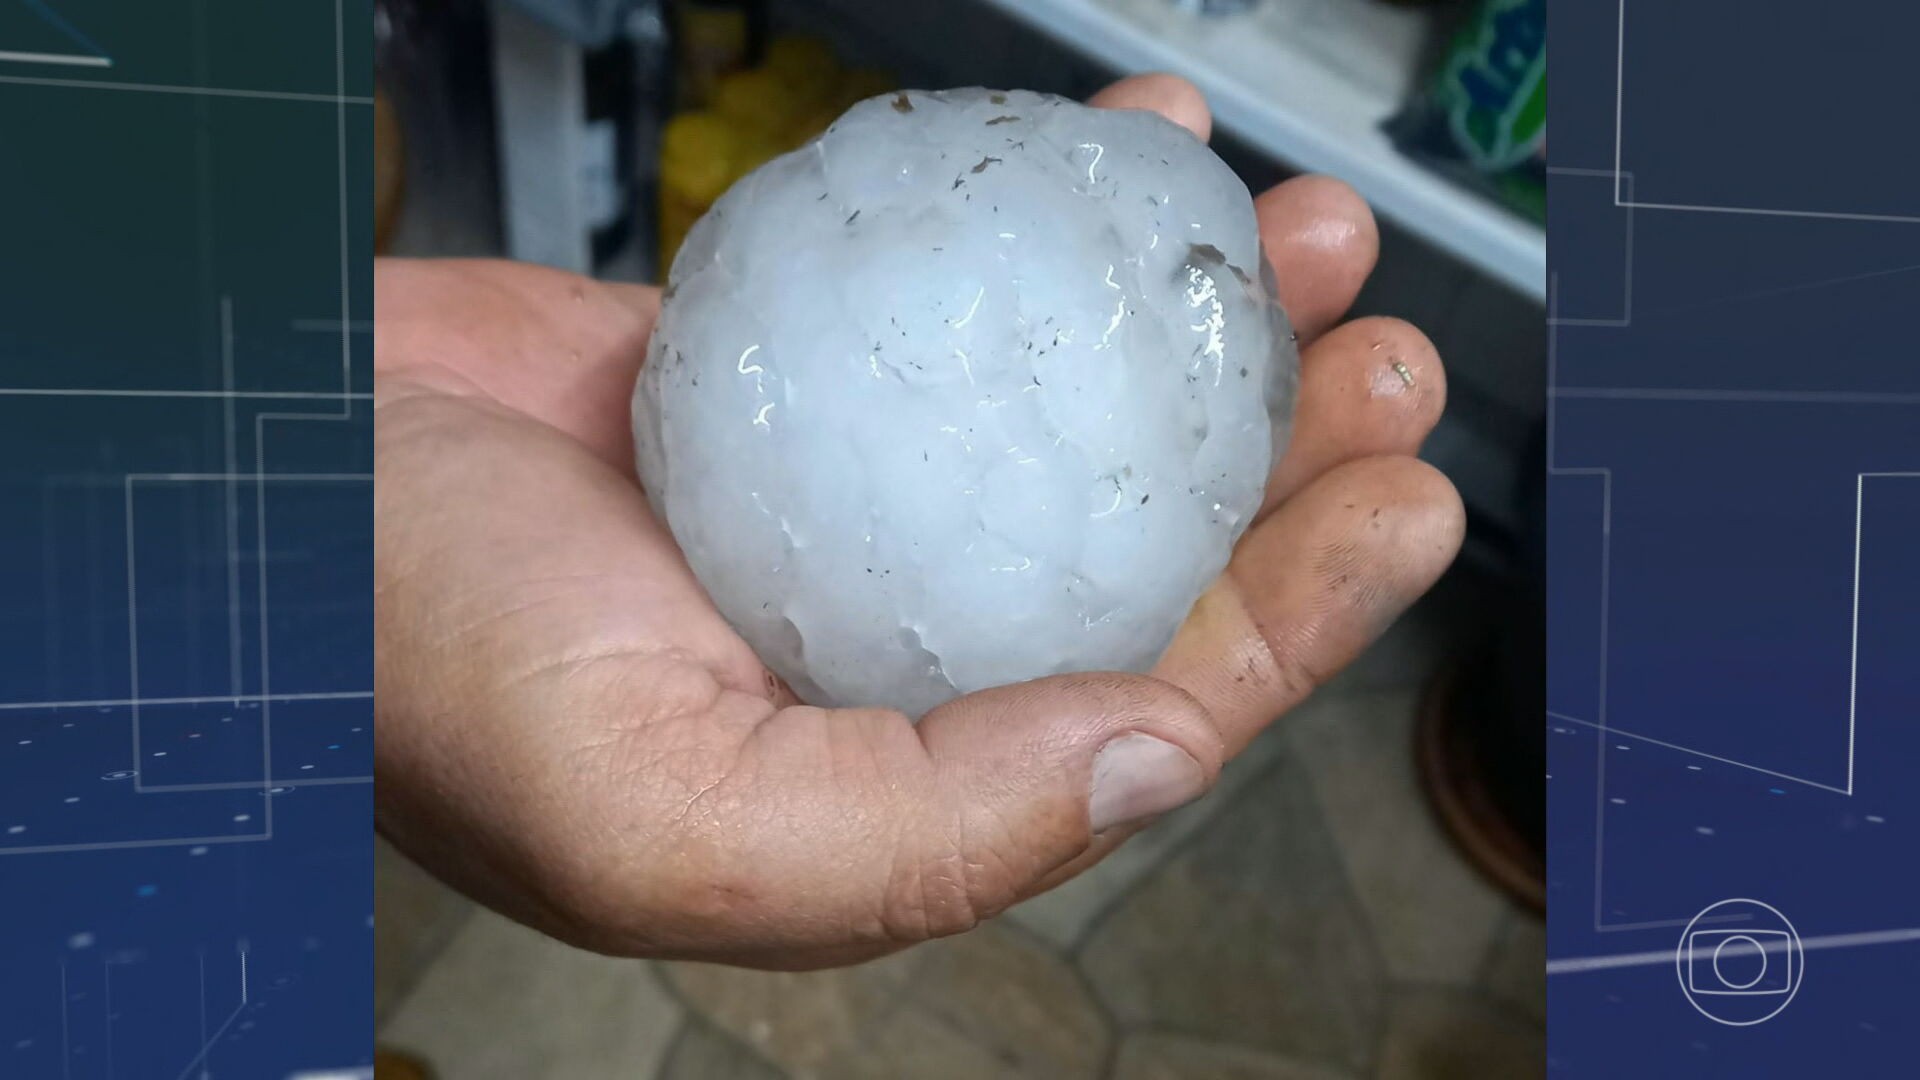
(757, 100)
(860, 84)
(752, 116)
(806, 67)
(698, 158)
(697, 164)
(802, 60)
(714, 39)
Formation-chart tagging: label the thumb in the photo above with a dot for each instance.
(838, 835)
(1023, 777)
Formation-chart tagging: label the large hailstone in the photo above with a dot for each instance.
(977, 387)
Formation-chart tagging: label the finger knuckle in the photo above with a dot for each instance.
(929, 896)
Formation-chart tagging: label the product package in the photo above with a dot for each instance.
(1483, 118)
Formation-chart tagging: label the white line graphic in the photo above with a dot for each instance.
(117, 845)
(200, 91)
(344, 399)
(1581, 964)
(93, 56)
(206, 1044)
(1602, 729)
(1606, 564)
(240, 395)
(69, 59)
(1625, 317)
(1635, 736)
(121, 703)
(266, 699)
(232, 494)
(1619, 96)
(1784, 397)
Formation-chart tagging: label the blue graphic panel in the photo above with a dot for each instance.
(1734, 504)
(185, 540)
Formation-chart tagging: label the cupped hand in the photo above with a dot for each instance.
(569, 732)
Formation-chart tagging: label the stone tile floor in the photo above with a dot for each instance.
(1305, 921)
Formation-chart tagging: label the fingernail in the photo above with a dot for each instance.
(1138, 776)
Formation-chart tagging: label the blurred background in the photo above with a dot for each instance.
(1360, 896)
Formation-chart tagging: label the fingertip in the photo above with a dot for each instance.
(1392, 521)
(1334, 216)
(1446, 525)
(1372, 386)
(1395, 365)
(1428, 529)
(1169, 95)
(1323, 242)
(1046, 774)
(1408, 481)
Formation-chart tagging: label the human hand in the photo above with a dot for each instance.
(568, 730)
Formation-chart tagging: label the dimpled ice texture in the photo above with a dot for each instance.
(976, 388)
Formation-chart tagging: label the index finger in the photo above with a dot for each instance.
(1169, 95)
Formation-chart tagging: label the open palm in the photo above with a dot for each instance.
(571, 733)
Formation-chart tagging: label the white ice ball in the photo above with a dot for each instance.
(977, 387)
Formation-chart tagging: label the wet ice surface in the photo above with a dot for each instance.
(979, 387)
